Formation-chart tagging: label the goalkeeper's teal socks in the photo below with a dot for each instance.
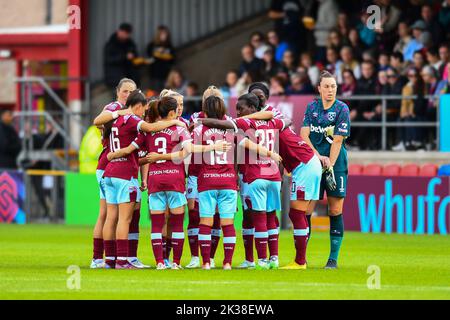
(336, 235)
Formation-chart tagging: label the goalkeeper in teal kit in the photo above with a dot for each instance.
(325, 127)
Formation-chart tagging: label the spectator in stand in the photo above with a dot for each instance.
(326, 20)
(390, 15)
(418, 60)
(176, 82)
(430, 77)
(271, 67)
(118, 55)
(432, 24)
(444, 84)
(312, 69)
(416, 43)
(366, 34)
(343, 25)
(383, 61)
(410, 10)
(249, 62)
(355, 43)
(366, 109)
(289, 64)
(394, 87)
(335, 40)
(286, 15)
(444, 15)
(162, 57)
(300, 84)
(411, 110)
(259, 44)
(191, 106)
(230, 89)
(277, 86)
(348, 62)
(10, 144)
(444, 58)
(404, 34)
(334, 63)
(382, 81)
(246, 80)
(348, 87)
(279, 47)
(396, 61)
(433, 58)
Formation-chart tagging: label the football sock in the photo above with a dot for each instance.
(98, 249)
(215, 235)
(336, 235)
(308, 218)
(300, 224)
(158, 221)
(248, 232)
(229, 243)
(261, 235)
(272, 230)
(133, 235)
(122, 251)
(164, 247)
(110, 252)
(177, 241)
(192, 231)
(204, 240)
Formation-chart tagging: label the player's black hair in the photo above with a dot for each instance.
(261, 86)
(162, 107)
(136, 97)
(127, 27)
(325, 74)
(214, 107)
(250, 99)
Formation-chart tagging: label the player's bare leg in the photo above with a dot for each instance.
(176, 220)
(98, 247)
(109, 235)
(123, 227)
(335, 209)
(229, 242)
(309, 212)
(297, 214)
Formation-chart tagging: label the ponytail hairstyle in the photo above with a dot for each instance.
(161, 108)
(148, 116)
(214, 107)
(212, 91)
(250, 99)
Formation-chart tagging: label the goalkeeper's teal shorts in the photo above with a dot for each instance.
(341, 185)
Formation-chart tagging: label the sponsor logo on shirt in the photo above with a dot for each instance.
(319, 129)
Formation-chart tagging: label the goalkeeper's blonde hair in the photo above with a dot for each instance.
(212, 91)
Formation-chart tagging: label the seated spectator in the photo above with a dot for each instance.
(382, 81)
(355, 43)
(162, 54)
(416, 42)
(176, 82)
(326, 20)
(313, 70)
(433, 58)
(444, 15)
(249, 61)
(10, 145)
(119, 53)
(444, 85)
(191, 106)
(348, 87)
(300, 84)
(230, 89)
(404, 34)
(335, 40)
(259, 44)
(418, 60)
(383, 61)
(277, 86)
(396, 61)
(394, 86)
(246, 80)
(411, 110)
(432, 24)
(348, 62)
(334, 64)
(444, 58)
(289, 64)
(271, 67)
(366, 34)
(343, 26)
(430, 77)
(279, 47)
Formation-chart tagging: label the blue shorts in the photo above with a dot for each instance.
(101, 183)
(159, 201)
(243, 190)
(121, 190)
(265, 195)
(225, 200)
(306, 180)
(192, 191)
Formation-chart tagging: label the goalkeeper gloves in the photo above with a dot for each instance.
(330, 181)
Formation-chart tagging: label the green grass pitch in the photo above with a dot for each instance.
(35, 258)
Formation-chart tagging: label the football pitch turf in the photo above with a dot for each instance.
(35, 258)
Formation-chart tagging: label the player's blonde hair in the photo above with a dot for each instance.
(212, 91)
(169, 93)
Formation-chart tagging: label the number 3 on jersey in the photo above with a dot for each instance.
(161, 144)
